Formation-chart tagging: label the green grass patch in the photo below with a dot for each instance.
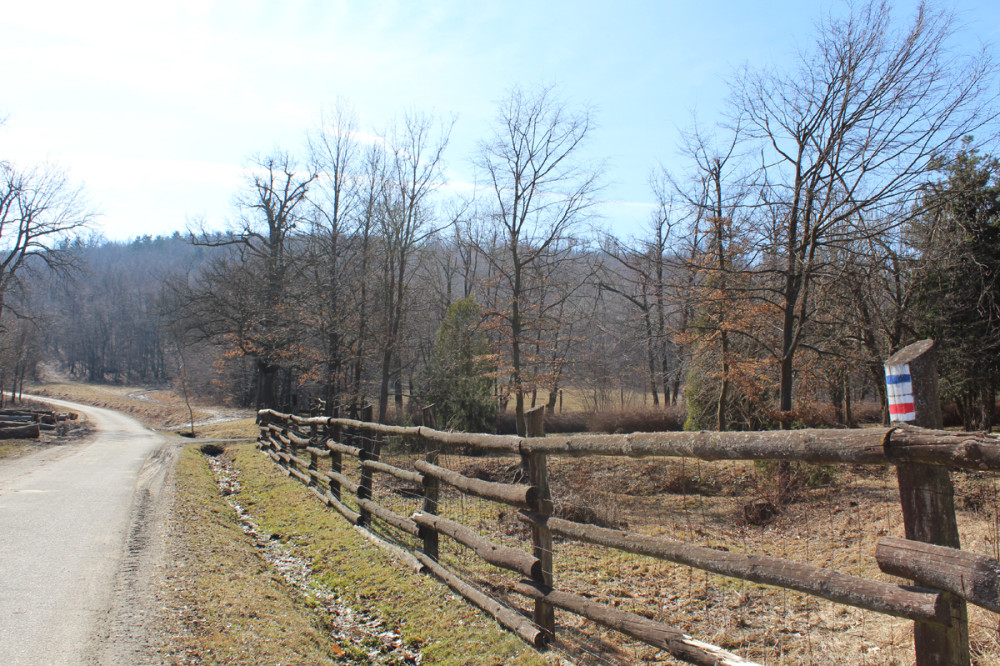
(229, 606)
(422, 609)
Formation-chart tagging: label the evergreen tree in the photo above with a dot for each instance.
(958, 281)
(457, 381)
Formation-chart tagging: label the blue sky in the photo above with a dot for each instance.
(155, 107)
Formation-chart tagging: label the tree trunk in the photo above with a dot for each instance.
(722, 422)
(265, 398)
(383, 388)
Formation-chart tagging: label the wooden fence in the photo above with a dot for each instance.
(945, 577)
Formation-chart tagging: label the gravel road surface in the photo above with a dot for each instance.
(81, 545)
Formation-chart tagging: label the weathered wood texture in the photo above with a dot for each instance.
(336, 447)
(508, 617)
(289, 436)
(913, 604)
(974, 577)
(29, 431)
(353, 517)
(432, 495)
(541, 537)
(928, 502)
(332, 435)
(398, 472)
(370, 450)
(871, 446)
(671, 639)
(524, 497)
(391, 517)
(505, 557)
(342, 481)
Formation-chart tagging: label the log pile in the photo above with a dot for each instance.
(29, 423)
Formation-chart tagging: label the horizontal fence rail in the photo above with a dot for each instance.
(871, 446)
(942, 571)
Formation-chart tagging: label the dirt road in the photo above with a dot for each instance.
(81, 543)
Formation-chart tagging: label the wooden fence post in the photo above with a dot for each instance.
(541, 537)
(335, 432)
(313, 458)
(370, 450)
(432, 488)
(926, 494)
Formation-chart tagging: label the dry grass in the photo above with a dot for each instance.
(225, 605)
(835, 521)
(231, 608)
(159, 408)
(447, 630)
(123, 399)
(238, 429)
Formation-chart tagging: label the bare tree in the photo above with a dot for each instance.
(374, 181)
(849, 133)
(245, 296)
(39, 212)
(643, 273)
(540, 192)
(414, 171)
(333, 151)
(715, 194)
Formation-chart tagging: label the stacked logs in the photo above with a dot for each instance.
(29, 423)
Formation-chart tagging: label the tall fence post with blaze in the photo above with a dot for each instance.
(926, 493)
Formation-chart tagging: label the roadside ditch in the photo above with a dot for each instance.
(361, 635)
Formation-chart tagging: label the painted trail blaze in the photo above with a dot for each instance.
(899, 390)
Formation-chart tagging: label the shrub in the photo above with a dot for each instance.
(594, 509)
(807, 415)
(868, 412)
(637, 420)
(566, 422)
(506, 423)
(554, 423)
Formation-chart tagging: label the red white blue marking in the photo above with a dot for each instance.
(899, 389)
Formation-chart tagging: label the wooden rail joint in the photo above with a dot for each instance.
(971, 576)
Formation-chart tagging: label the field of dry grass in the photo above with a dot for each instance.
(155, 408)
(835, 521)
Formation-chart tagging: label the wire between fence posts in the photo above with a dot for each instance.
(927, 495)
(541, 537)
(431, 486)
